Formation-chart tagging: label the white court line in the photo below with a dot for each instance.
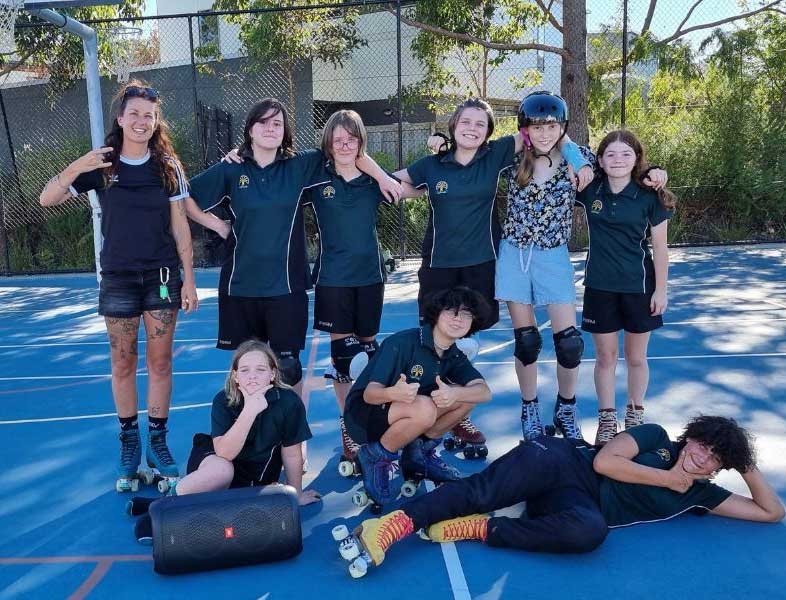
(458, 582)
(675, 357)
(98, 416)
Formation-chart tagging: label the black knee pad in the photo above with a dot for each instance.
(370, 348)
(289, 366)
(569, 346)
(341, 353)
(528, 344)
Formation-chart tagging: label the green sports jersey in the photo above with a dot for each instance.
(346, 219)
(631, 503)
(463, 228)
(619, 258)
(269, 257)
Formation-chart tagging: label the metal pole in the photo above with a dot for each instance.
(402, 245)
(17, 181)
(624, 90)
(95, 109)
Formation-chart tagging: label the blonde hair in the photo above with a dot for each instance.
(231, 389)
(349, 120)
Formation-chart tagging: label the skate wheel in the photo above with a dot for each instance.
(134, 485)
(360, 498)
(550, 430)
(148, 477)
(469, 452)
(340, 532)
(460, 443)
(120, 486)
(409, 489)
(163, 486)
(449, 444)
(346, 468)
(482, 451)
(358, 568)
(348, 549)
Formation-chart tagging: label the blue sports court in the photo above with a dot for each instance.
(64, 533)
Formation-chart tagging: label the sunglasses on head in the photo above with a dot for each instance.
(136, 91)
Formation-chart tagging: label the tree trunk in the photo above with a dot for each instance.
(574, 82)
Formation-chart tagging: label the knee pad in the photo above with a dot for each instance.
(370, 348)
(528, 344)
(569, 346)
(341, 353)
(289, 366)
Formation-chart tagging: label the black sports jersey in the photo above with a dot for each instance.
(135, 215)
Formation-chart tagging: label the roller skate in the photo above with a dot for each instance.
(419, 461)
(565, 419)
(465, 436)
(348, 466)
(376, 466)
(471, 527)
(163, 468)
(367, 544)
(634, 416)
(607, 426)
(531, 425)
(128, 474)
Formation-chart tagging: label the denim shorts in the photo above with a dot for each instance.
(534, 275)
(127, 294)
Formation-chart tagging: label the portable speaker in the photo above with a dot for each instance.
(230, 528)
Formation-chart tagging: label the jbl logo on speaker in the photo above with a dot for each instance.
(229, 532)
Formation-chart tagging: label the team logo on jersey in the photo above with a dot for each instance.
(416, 371)
(243, 182)
(328, 191)
(114, 178)
(664, 454)
(441, 187)
(597, 206)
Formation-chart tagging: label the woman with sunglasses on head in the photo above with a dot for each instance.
(146, 237)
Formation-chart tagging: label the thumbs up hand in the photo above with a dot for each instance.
(403, 391)
(444, 396)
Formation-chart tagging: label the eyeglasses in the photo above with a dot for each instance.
(136, 91)
(464, 315)
(350, 143)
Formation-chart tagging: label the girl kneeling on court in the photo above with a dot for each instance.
(257, 425)
(625, 275)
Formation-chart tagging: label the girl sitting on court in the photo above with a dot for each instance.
(257, 426)
(626, 273)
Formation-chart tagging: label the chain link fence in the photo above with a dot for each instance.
(210, 67)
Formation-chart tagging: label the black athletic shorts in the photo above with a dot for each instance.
(247, 473)
(355, 310)
(607, 312)
(366, 423)
(127, 294)
(281, 321)
(477, 277)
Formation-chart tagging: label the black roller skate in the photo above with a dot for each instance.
(531, 425)
(419, 461)
(163, 468)
(566, 419)
(634, 416)
(465, 436)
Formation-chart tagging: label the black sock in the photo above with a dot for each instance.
(562, 400)
(129, 423)
(535, 399)
(156, 423)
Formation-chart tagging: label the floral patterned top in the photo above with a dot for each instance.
(541, 214)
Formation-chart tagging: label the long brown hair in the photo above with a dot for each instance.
(666, 196)
(162, 152)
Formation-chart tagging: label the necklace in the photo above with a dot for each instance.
(443, 348)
